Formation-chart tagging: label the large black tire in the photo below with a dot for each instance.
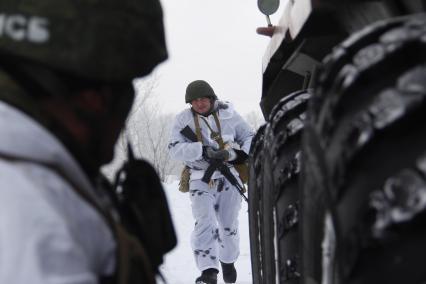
(254, 190)
(366, 142)
(279, 194)
(313, 184)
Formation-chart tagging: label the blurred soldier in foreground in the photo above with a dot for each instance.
(66, 71)
(213, 140)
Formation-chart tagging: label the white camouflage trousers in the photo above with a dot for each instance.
(216, 235)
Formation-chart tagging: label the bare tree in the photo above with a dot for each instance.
(144, 89)
(150, 134)
(147, 129)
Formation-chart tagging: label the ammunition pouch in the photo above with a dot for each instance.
(243, 172)
(185, 176)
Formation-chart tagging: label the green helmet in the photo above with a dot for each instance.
(101, 40)
(199, 89)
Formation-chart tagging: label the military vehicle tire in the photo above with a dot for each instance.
(367, 149)
(313, 184)
(279, 194)
(254, 190)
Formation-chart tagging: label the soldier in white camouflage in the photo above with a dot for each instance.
(223, 138)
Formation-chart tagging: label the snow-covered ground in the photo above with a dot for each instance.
(179, 266)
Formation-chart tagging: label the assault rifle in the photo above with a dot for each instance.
(215, 165)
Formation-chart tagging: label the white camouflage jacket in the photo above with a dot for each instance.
(235, 131)
(48, 233)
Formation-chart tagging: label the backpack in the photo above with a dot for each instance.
(143, 208)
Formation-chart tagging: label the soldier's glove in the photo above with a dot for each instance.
(222, 155)
(212, 154)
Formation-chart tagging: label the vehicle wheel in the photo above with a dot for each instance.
(279, 191)
(368, 137)
(313, 184)
(254, 196)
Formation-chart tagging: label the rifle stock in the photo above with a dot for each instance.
(188, 133)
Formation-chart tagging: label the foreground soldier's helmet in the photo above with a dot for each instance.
(199, 89)
(101, 40)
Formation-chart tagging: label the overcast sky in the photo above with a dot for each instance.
(213, 40)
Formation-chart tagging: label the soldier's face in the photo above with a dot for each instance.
(201, 105)
(107, 121)
(92, 119)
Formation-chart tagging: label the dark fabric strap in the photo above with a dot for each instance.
(216, 135)
(216, 119)
(197, 127)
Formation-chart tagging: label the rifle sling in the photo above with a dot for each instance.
(213, 166)
(197, 127)
(217, 136)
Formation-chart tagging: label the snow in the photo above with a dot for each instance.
(179, 266)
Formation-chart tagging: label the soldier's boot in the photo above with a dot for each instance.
(229, 273)
(208, 276)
